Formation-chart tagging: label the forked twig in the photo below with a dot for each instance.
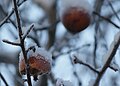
(22, 43)
(9, 15)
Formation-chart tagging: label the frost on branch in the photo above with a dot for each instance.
(61, 82)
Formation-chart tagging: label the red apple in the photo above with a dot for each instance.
(39, 63)
(75, 19)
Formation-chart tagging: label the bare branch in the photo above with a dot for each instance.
(22, 43)
(9, 18)
(75, 72)
(47, 27)
(75, 49)
(107, 20)
(28, 31)
(9, 15)
(113, 10)
(98, 7)
(110, 55)
(80, 62)
(30, 48)
(115, 69)
(2, 77)
(12, 43)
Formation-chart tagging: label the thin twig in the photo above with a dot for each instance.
(110, 55)
(107, 20)
(2, 77)
(6, 18)
(30, 48)
(9, 15)
(98, 7)
(115, 69)
(47, 27)
(113, 10)
(75, 49)
(28, 31)
(75, 72)
(12, 43)
(80, 62)
(22, 43)
(6, 15)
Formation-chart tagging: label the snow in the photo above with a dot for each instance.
(115, 66)
(41, 51)
(63, 5)
(109, 78)
(63, 69)
(30, 44)
(91, 82)
(17, 40)
(27, 30)
(24, 30)
(4, 69)
(117, 37)
(47, 55)
(21, 56)
(76, 56)
(61, 82)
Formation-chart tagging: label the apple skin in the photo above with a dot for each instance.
(75, 19)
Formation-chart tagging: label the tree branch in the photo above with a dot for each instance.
(9, 15)
(2, 77)
(22, 43)
(6, 15)
(75, 49)
(113, 10)
(110, 55)
(98, 7)
(48, 27)
(107, 19)
(12, 43)
(28, 31)
(87, 65)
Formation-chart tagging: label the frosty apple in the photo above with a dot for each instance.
(39, 61)
(75, 14)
